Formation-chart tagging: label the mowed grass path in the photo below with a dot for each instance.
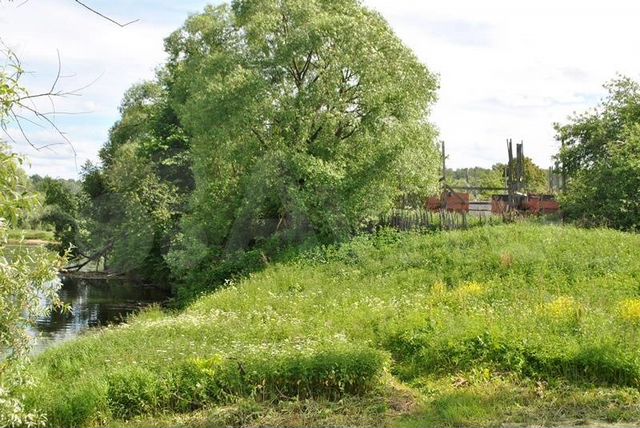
(506, 324)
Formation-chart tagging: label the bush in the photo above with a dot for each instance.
(82, 405)
(217, 269)
(133, 391)
(214, 271)
(329, 373)
(604, 365)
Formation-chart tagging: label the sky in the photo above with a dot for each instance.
(507, 69)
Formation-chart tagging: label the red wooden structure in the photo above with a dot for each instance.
(451, 201)
(542, 204)
(434, 203)
(456, 202)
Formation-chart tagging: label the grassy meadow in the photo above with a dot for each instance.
(513, 324)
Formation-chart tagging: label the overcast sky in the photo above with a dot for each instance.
(507, 70)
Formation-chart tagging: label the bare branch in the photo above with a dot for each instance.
(57, 79)
(26, 101)
(16, 119)
(6, 132)
(33, 122)
(92, 10)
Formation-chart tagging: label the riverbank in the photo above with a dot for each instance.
(94, 301)
(518, 324)
(30, 238)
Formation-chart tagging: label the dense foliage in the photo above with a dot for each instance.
(62, 202)
(271, 121)
(25, 274)
(600, 156)
(137, 196)
(313, 107)
(484, 325)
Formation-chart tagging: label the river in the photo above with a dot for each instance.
(94, 303)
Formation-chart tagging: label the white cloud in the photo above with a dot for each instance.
(512, 69)
(93, 52)
(508, 69)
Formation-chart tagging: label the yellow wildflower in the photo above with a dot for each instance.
(629, 310)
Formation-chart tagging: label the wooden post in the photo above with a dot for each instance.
(444, 163)
(519, 168)
(444, 177)
(510, 175)
(563, 174)
(523, 171)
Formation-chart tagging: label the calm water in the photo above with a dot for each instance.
(94, 303)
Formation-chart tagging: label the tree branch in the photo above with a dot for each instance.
(92, 10)
(307, 64)
(259, 137)
(315, 135)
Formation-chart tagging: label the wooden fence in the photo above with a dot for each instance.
(421, 219)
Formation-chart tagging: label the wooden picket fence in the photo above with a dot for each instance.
(422, 219)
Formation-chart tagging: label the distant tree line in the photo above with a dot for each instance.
(536, 179)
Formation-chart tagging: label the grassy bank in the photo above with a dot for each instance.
(17, 235)
(508, 324)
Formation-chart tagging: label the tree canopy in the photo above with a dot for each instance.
(289, 119)
(304, 115)
(600, 156)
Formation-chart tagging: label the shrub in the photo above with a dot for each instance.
(600, 364)
(84, 404)
(600, 157)
(329, 373)
(133, 391)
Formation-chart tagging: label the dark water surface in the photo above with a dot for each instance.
(94, 303)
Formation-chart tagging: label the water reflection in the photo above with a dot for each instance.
(94, 302)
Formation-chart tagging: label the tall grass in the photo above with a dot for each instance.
(536, 302)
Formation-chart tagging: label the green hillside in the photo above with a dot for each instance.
(490, 326)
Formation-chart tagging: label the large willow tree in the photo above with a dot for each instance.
(305, 115)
